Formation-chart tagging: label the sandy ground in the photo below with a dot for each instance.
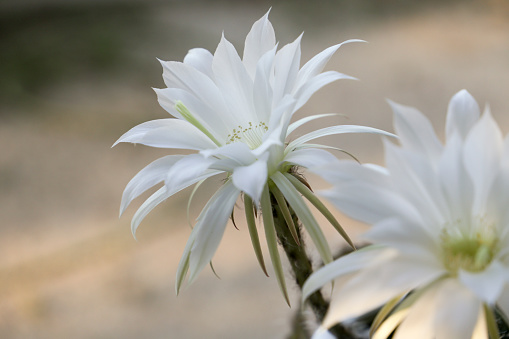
(69, 268)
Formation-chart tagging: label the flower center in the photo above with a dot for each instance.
(469, 251)
(251, 135)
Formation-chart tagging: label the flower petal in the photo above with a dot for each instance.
(371, 204)
(342, 171)
(305, 120)
(341, 129)
(359, 294)
(482, 151)
(210, 228)
(454, 179)
(251, 179)
(193, 81)
(462, 114)
(310, 157)
(262, 89)
(167, 133)
(414, 130)
(345, 265)
(239, 152)
(149, 176)
(155, 199)
(233, 80)
(487, 284)
(314, 84)
(201, 59)
(316, 64)
(214, 121)
(457, 311)
(187, 169)
(286, 69)
(259, 40)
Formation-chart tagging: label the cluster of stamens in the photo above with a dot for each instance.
(469, 251)
(252, 135)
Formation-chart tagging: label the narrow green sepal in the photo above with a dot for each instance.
(491, 323)
(182, 272)
(286, 212)
(304, 214)
(311, 197)
(214, 270)
(270, 234)
(253, 232)
(191, 196)
(384, 312)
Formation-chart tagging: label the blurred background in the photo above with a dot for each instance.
(76, 74)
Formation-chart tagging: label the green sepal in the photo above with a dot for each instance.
(304, 214)
(253, 232)
(491, 323)
(182, 272)
(191, 196)
(270, 235)
(305, 191)
(384, 312)
(286, 212)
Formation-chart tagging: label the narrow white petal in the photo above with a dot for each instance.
(457, 311)
(414, 177)
(262, 90)
(234, 82)
(251, 179)
(310, 157)
(316, 64)
(483, 148)
(340, 129)
(155, 199)
(462, 114)
(314, 84)
(201, 59)
(420, 318)
(305, 120)
(487, 284)
(286, 69)
(455, 181)
(210, 228)
(481, 328)
(259, 40)
(167, 133)
(345, 265)
(162, 194)
(186, 169)
(414, 240)
(214, 121)
(375, 285)
(149, 176)
(237, 151)
(371, 204)
(192, 80)
(281, 116)
(343, 171)
(322, 333)
(414, 130)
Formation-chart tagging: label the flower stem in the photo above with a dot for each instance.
(301, 268)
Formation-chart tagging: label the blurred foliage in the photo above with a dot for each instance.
(48, 45)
